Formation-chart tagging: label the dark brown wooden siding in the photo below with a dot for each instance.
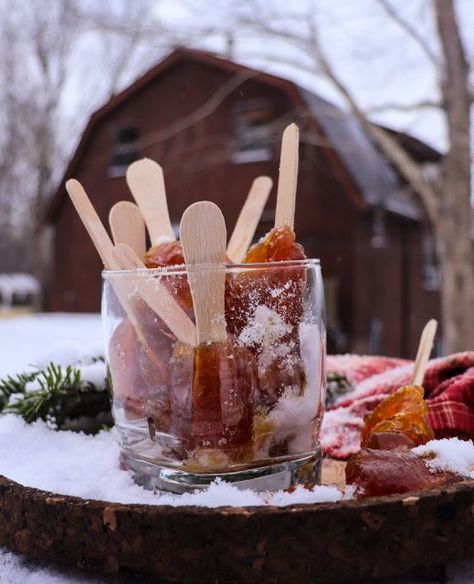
(391, 305)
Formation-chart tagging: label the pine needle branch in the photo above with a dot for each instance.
(54, 394)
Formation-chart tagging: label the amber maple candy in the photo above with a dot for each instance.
(399, 420)
(280, 290)
(140, 368)
(213, 393)
(127, 381)
(387, 472)
(271, 298)
(169, 254)
(278, 245)
(164, 254)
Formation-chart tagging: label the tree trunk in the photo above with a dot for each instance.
(453, 227)
(457, 292)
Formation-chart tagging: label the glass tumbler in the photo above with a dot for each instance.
(246, 409)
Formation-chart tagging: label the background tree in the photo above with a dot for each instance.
(59, 62)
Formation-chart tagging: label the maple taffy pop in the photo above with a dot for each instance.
(216, 356)
(237, 404)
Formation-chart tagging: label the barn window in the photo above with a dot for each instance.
(252, 131)
(124, 150)
(431, 269)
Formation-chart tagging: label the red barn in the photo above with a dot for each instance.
(214, 126)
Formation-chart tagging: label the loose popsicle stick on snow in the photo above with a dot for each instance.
(157, 296)
(147, 184)
(424, 351)
(128, 226)
(288, 178)
(203, 237)
(249, 218)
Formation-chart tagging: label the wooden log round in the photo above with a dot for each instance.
(323, 543)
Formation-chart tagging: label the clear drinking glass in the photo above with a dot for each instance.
(248, 409)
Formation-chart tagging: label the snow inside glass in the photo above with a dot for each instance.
(247, 409)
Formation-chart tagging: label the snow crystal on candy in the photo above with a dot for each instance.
(449, 454)
(266, 327)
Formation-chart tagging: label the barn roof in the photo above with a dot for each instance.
(364, 169)
(376, 180)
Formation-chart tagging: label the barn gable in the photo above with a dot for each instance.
(364, 170)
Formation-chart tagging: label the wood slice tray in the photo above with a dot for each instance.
(323, 543)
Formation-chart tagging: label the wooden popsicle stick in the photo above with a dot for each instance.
(104, 246)
(92, 223)
(203, 237)
(249, 218)
(424, 351)
(128, 226)
(288, 178)
(146, 182)
(157, 296)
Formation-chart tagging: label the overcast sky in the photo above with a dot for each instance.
(376, 59)
(373, 56)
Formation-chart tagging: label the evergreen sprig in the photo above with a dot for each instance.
(61, 397)
(14, 384)
(337, 386)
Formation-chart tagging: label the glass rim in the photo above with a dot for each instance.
(182, 269)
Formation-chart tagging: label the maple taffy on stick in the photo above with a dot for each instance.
(274, 294)
(280, 242)
(386, 464)
(212, 405)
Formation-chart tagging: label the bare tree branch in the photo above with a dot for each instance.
(403, 107)
(411, 31)
(41, 57)
(389, 146)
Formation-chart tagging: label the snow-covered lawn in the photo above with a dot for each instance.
(24, 339)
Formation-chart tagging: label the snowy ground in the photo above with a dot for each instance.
(25, 338)
(22, 341)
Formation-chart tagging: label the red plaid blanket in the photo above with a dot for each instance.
(449, 390)
(356, 368)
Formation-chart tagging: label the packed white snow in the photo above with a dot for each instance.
(449, 454)
(88, 466)
(87, 358)
(24, 339)
(265, 328)
(16, 569)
